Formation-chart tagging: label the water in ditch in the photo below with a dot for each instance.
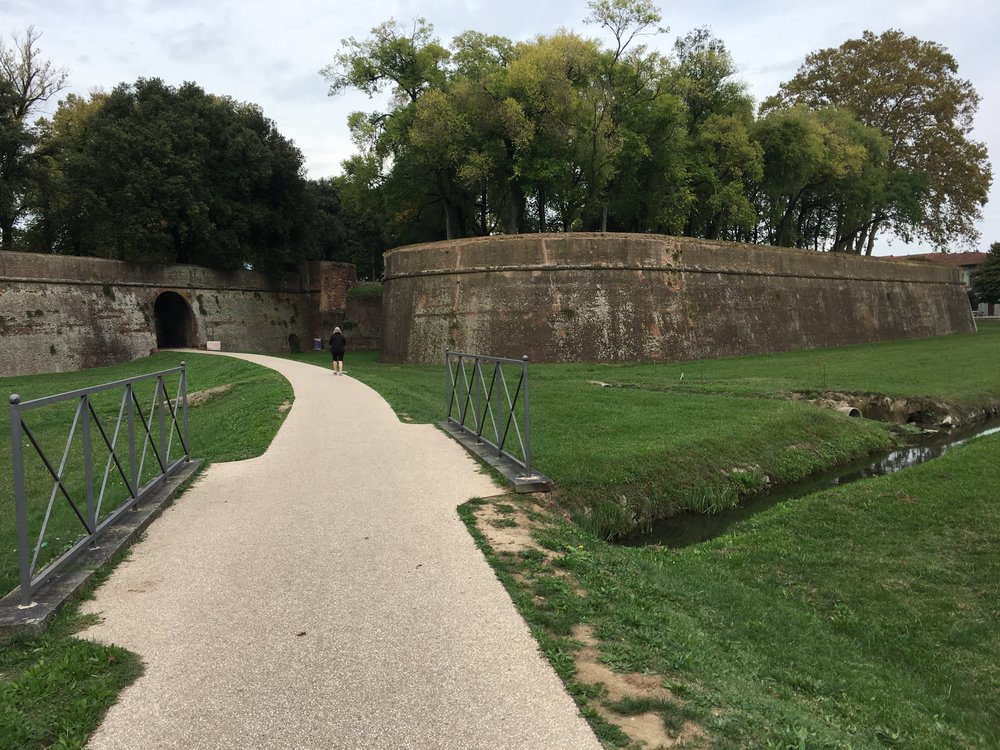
(691, 528)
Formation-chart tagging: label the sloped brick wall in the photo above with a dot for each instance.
(60, 313)
(620, 297)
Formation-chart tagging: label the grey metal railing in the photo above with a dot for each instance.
(155, 429)
(482, 405)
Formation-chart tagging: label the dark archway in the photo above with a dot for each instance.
(174, 322)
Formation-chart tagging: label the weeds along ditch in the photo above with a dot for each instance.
(691, 528)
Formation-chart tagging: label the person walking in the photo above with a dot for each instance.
(338, 344)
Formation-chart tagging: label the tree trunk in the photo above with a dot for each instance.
(871, 237)
(541, 209)
(7, 234)
(604, 216)
(514, 214)
(449, 213)
(483, 223)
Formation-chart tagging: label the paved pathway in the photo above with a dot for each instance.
(326, 595)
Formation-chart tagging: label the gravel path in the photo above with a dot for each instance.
(326, 595)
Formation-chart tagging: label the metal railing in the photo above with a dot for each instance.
(489, 411)
(155, 428)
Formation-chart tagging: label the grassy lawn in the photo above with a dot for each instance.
(667, 443)
(860, 617)
(55, 688)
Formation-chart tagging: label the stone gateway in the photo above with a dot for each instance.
(61, 313)
(628, 297)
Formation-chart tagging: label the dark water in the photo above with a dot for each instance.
(691, 528)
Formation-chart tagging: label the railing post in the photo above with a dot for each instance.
(499, 385)
(133, 466)
(448, 385)
(527, 417)
(477, 402)
(20, 500)
(88, 466)
(184, 402)
(161, 395)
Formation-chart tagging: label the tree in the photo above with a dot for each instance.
(909, 90)
(27, 81)
(155, 173)
(722, 159)
(986, 278)
(409, 62)
(612, 92)
(823, 173)
(56, 223)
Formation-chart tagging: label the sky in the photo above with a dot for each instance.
(270, 53)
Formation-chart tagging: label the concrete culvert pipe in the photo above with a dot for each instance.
(850, 411)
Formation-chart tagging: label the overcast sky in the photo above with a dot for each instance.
(271, 52)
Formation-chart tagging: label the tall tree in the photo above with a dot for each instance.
(155, 173)
(986, 278)
(27, 81)
(909, 90)
(722, 158)
(411, 62)
(823, 174)
(608, 95)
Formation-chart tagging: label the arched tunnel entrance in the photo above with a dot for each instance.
(174, 323)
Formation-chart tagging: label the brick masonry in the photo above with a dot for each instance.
(621, 297)
(61, 313)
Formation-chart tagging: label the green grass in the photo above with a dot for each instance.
(365, 290)
(861, 617)
(667, 443)
(864, 617)
(55, 688)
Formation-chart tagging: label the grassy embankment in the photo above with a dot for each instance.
(865, 617)
(55, 688)
(860, 617)
(665, 438)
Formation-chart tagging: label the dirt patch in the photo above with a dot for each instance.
(646, 729)
(507, 531)
(508, 527)
(284, 406)
(200, 397)
(591, 670)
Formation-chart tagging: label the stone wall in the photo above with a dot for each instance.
(60, 313)
(620, 297)
(362, 320)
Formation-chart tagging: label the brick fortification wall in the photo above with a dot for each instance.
(620, 297)
(60, 313)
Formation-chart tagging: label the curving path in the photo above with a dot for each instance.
(326, 595)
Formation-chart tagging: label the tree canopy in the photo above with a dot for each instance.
(563, 133)
(936, 179)
(485, 135)
(985, 282)
(152, 172)
(27, 81)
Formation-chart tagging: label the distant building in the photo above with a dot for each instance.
(965, 261)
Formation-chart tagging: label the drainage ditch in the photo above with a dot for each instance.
(690, 528)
